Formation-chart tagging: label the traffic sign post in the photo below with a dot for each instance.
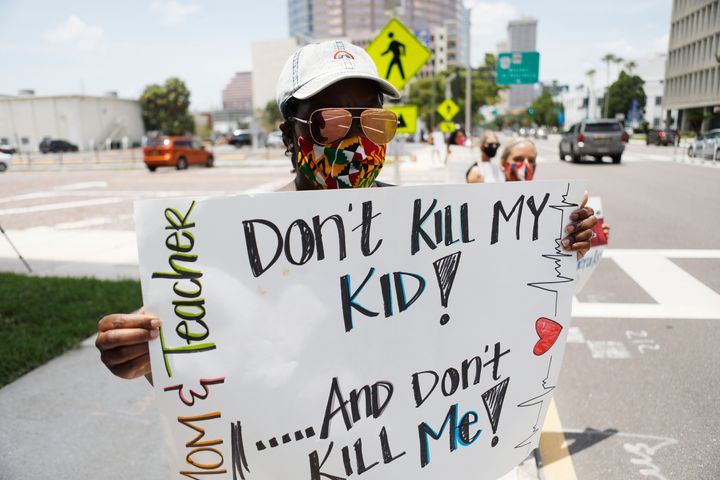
(398, 54)
(448, 109)
(407, 117)
(517, 68)
(447, 127)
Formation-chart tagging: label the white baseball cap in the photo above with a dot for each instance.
(316, 66)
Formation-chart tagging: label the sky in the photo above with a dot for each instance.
(91, 47)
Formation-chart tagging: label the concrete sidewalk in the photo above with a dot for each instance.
(71, 418)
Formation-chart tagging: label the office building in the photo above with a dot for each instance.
(692, 74)
(237, 96)
(522, 36)
(268, 59)
(442, 25)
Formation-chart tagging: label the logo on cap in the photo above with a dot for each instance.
(343, 54)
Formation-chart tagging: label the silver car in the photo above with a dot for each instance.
(595, 138)
(707, 146)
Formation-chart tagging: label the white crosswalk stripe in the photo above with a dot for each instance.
(677, 293)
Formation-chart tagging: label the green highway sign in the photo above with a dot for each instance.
(517, 68)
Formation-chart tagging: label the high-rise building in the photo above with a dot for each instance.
(522, 35)
(237, 96)
(692, 72)
(441, 24)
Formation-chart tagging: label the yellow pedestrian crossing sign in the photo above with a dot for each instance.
(407, 117)
(448, 109)
(447, 127)
(398, 54)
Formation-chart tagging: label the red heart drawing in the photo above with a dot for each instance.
(548, 331)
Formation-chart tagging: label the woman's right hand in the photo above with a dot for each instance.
(123, 343)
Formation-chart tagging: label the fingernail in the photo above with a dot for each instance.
(155, 323)
(573, 216)
(154, 333)
(570, 228)
(566, 243)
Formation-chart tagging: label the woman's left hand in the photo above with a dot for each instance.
(580, 230)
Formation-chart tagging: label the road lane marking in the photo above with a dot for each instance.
(82, 185)
(678, 294)
(556, 459)
(90, 222)
(59, 206)
(575, 335)
(612, 350)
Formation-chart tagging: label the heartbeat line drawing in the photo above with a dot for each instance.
(558, 255)
(538, 400)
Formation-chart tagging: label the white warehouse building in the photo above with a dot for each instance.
(86, 121)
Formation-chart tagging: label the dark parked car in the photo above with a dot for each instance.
(47, 145)
(595, 138)
(662, 137)
(240, 138)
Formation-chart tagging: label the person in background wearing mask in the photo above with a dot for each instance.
(519, 163)
(486, 171)
(335, 129)
(518, 160)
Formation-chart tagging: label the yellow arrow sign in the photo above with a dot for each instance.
(407, 117)
(398, 54)
(448, 109)
(447, 127)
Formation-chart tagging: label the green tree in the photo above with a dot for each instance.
(270, 117)
(630, 66)
(622, 93)
(165, 108)
(545, 110)
(484, 92)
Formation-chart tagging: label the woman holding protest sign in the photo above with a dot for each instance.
(519, 163)
(336, 133)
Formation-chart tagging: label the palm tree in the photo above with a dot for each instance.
(591, 101)
(617, 61)
(631, 65)
(607, 58)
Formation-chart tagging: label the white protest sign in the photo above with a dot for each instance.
(586, 265)
(409, 332)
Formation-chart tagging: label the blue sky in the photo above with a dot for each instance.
(95, 46)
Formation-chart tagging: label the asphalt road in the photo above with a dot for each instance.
(636, 396)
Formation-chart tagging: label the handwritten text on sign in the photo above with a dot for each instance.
(412, 332)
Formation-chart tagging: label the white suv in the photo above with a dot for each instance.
(5, 160)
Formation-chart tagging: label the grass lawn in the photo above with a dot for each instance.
(42, 317)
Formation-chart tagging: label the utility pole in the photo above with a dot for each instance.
(468, 82)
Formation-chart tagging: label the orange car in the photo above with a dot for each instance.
(178, 152)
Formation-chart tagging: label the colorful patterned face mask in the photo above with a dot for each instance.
(349, 163)
(519, 171)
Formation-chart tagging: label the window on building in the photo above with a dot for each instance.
(25, 140)
(658, 100)
(656, 122)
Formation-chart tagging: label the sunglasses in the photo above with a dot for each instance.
(328, 125)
